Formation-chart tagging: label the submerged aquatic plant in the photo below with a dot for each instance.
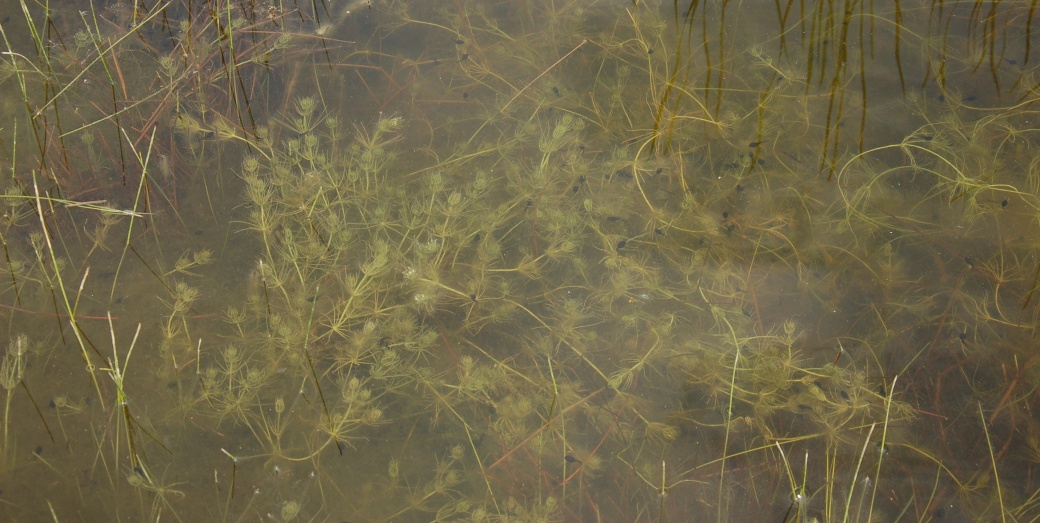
(500, 261)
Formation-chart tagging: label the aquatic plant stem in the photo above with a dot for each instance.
(882, 449)
(993, 462)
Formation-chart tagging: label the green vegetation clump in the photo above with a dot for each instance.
(387, 261)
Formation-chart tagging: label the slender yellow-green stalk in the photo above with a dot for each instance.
(11, 371)
(855, 475)
(64, 295)
(993, 463)
(882, 450)
(143, 162)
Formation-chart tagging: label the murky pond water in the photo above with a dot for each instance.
(520, 261)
